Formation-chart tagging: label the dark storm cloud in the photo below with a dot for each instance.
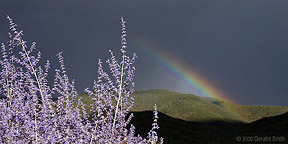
(240, 46)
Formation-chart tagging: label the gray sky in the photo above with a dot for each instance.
(239, 46)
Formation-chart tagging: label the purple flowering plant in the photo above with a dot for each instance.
(28, 114)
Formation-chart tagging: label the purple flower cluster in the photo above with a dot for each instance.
(28, 114)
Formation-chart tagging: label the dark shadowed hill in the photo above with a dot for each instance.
(276, 125)
(176, 131)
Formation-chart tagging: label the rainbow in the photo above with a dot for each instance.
(185, 75)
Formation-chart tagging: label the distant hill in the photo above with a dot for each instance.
(194, 108)
(190, 107)
(186, 118)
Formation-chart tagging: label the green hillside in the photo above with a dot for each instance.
(183, 106)
(194, 108)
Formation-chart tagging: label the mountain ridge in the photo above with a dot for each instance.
(190, 107)
(195, 108)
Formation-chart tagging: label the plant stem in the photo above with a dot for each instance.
(120, 92)
(37, 80)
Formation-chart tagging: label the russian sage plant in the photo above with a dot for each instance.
(28, 114)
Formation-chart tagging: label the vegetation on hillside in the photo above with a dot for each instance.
(190, 107)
